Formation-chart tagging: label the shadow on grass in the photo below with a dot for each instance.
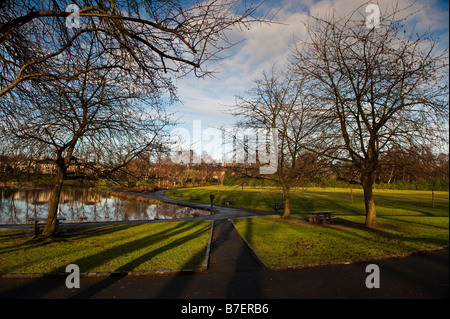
(416, 221)
(403, 242)
(419, 207)
(133, 264)
(74, 233)
(8, 235)
(27, 243)
(311, 200)
(178, 283)
(81, 232)
(346, 236)
(90, 262)
(27, 289)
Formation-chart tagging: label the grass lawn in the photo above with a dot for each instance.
(282, 243)
(388, 202)
(136, 247)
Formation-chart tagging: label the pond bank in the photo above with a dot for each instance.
(88, 205)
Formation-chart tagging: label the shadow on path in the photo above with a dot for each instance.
(234, 273)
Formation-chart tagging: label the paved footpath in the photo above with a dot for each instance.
(234, 273)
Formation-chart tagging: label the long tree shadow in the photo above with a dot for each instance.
(246, 279)
(89, 231)
(133, 264)
(51, 283)
(52, 243)
(407, 242)
(179, 282)
(90, 262)
(234, 272)
(77, 232)
(176, 286)
(415, 220)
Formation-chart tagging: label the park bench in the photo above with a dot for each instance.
(177, 194)
(39, 222)
(227, 202)
(277, 205)
(194, 197)
(322, 217)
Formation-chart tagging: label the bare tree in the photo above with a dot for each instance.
(278, 101)
(100, 120)
(377, 88)
(91, 91)
(147, 38)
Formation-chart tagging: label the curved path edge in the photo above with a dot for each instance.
(218, 213)
(335, 263)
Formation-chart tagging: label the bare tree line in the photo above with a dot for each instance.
(352, 94)
(96, 94)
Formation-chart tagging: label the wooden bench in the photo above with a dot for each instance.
(39, 222)
(322, 217)
(176, 194)
(277, 205)
(194, 197)
(227, 202)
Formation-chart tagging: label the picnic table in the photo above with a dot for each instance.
(38, 222)
(227, 202)
(322, 217)
(277, 205)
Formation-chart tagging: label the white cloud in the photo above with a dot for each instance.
(264, 45)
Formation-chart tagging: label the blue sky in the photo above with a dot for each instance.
(208, 99)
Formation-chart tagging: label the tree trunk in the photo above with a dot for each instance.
(432, 197)
(351, 193)
(50, 227)
(62, 164)
(287, 202)
(371, 214)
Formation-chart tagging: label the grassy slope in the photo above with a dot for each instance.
(388, 202)
(159, 246)
(282, 242)
(295, 242)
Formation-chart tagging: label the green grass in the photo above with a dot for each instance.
(388, 202)
(143, 247)
(283, 243)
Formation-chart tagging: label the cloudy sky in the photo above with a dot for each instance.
(208, 99)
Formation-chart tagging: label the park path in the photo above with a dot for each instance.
(220, 212)
(234, 273)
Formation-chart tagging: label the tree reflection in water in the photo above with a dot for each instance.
(86, 205)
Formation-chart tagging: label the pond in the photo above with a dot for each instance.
(86, 205)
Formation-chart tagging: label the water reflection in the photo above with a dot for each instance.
(86, 205)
